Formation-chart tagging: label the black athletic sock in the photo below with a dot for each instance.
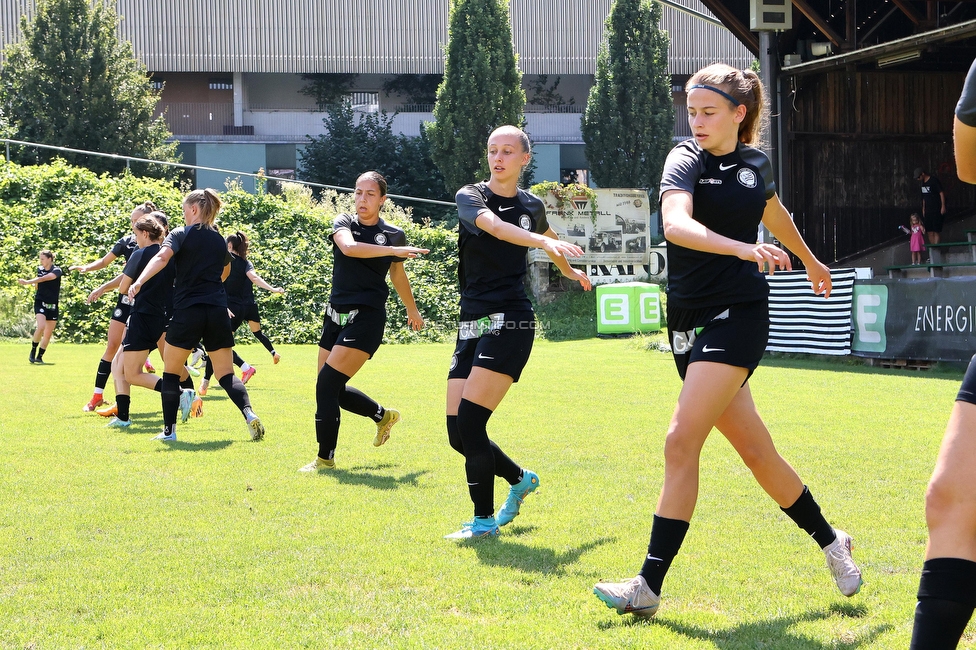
(40, 353)
(236, 391)
(33, 349)
(237, 359)
(187, 384)
(806, 513)
(946, 599)
(479, 461)
(170, 397)
(104, 370)
(328, 387)
(265, 341)
(208, 370)
(355, 401)
(122, 402)
(159, 385)
(667, 535)
(505, 467)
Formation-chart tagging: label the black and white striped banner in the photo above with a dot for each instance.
(800, 321)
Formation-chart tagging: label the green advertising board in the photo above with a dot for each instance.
(628, 307)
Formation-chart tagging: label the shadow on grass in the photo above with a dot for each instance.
(772, 632)
(499, 551)
(182, 445)
(365, 475)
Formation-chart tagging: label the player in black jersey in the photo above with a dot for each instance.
(242, 305)
(365, 248)
(124, 247)
(947, 589)
(498, 224)
(147, 318)
(199, 309)
(715, 191)
(48, 283)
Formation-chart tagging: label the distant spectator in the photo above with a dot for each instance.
(933, 204)
(917, 242)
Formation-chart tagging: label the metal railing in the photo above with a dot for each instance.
(232, 172)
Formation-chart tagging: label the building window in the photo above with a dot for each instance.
(221, 84)
(157, 84)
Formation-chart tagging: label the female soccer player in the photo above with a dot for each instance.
(48, 283)
(241, 303)
(499, 223)
(124, 247)
(715, 191)
(947, 589)
(147, 318)
(365, 249)
(199, 307)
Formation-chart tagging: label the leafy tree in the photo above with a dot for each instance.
(629, 119)
(328, 90)
(414, 88)
(482, 90)
(72, 82)
(351, 147)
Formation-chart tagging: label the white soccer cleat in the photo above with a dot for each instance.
(630, 597)
(841, 564)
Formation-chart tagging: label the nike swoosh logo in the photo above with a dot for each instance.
(481, 356)
(723, 168)
(511, 207)
(348, 340)
(705, 348)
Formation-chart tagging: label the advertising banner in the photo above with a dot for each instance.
(918, 318)
(801, 321)
(616, 246)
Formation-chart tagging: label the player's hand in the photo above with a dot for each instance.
(81, 268)
(562, 248)
(763, 254)
(415, 320)
(819, 276)
(134, 289)
(278, 290)
(22, 282)
(94, 295)
(580, 277)
(409, 251)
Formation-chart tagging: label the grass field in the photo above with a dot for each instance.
(108, 539)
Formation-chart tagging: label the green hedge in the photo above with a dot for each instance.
(79, 215)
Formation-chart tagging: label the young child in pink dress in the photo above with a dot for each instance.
(917, 242)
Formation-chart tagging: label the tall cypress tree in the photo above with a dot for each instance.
(71, 82)
(629, 119)
(482, 90)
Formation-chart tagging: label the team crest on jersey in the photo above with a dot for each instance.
(380, 239)
(525, 222)
(747, 178)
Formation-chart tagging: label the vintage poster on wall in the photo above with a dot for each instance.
(616, 244)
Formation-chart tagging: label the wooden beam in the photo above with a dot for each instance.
(728, 18)
(908, 10)
(850, 22)
(820, 23)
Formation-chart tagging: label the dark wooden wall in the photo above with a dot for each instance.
(852, 142)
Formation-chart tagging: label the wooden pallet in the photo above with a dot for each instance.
(904, 364)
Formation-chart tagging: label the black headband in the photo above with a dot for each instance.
(720, 92)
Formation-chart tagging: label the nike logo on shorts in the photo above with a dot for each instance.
(705, 348)
(723, 168)
(481, 356)
(348, 340)
(511, 207)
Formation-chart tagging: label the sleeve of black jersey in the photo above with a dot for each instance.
(538, 209)
(56, 271)
(341, 222)
(397, 238)
(174, 240)
(250, 266)
(119, 249)
(132, 269)
(470, 203)
(681, 170)
(966, 108)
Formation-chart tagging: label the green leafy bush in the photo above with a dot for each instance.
(79, 215)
